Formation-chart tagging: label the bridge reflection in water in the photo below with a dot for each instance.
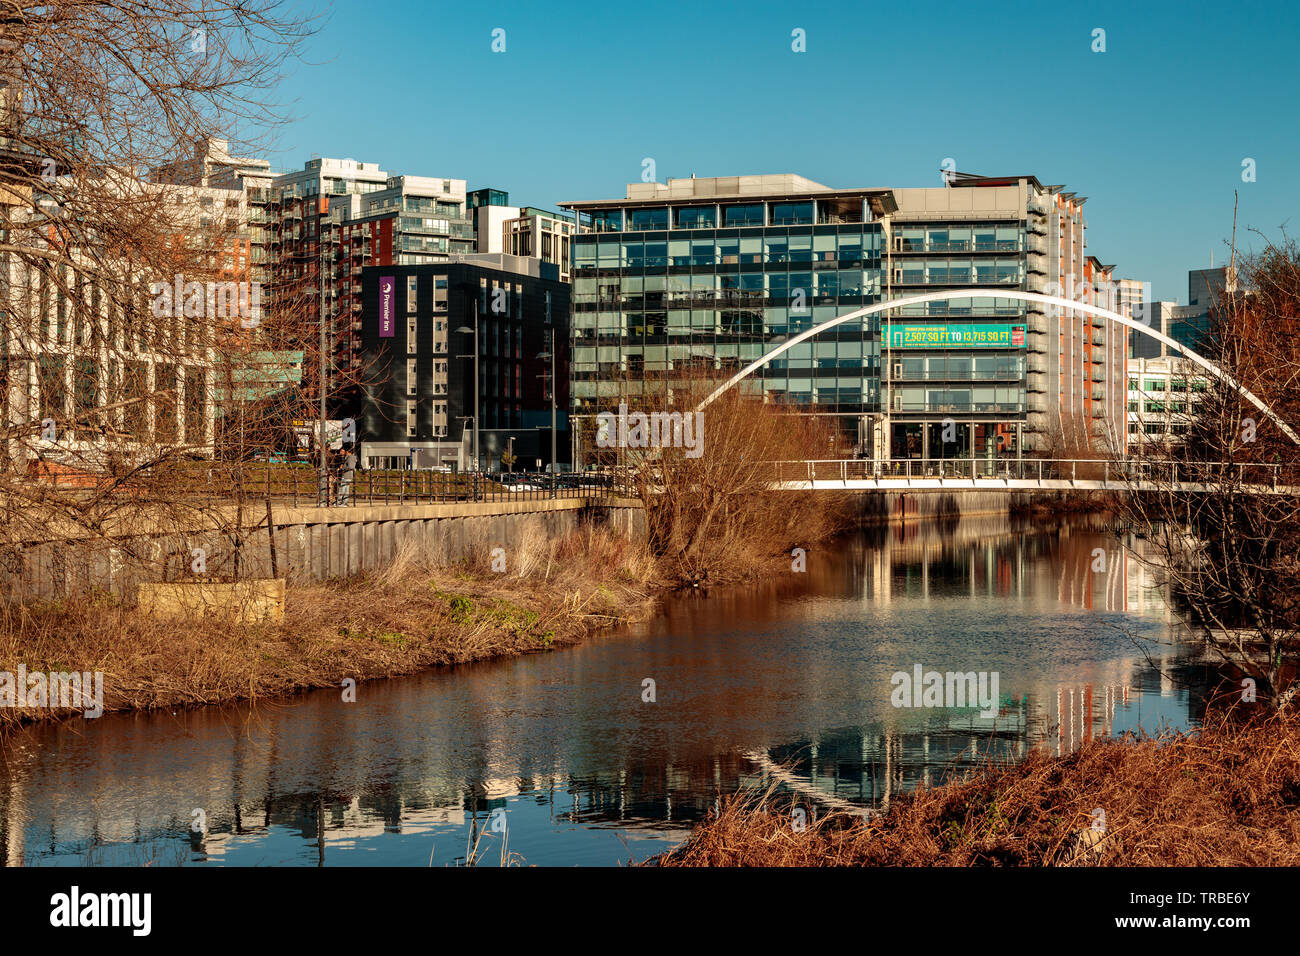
(791, 679)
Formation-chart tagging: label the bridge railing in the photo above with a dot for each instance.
(1148, 472)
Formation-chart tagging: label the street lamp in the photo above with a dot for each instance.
(551, 355)
(555, 478)
(467, 330)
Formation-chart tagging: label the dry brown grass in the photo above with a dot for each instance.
(409, 616)
(1225, 796)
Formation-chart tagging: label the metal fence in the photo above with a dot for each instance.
(1128, 471)
(408, 487)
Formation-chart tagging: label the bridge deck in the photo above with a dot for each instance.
(1010, 484)
(973, 474)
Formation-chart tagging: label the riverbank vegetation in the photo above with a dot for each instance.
(712, 514)
(410, 616)
(1226, 795)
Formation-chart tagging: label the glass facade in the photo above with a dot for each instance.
(985, 378)
(653, 303)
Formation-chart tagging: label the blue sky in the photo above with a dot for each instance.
(1154, 130)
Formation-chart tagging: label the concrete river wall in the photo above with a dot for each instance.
(314, 544)
(303, 544)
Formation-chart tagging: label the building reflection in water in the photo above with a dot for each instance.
(789, 681)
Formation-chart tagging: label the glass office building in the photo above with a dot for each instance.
(705, 276)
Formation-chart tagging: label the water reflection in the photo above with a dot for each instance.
(556, 756)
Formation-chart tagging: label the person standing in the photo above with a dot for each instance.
(347, 471)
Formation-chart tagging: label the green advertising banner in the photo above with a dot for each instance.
(959, 336)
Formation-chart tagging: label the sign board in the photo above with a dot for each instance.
(387, 306)
(958, 336)
(306, 433)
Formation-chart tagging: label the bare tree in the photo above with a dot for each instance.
(1220, 509)
(713, 515)
(124, 303)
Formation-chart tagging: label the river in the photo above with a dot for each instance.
(561, 758)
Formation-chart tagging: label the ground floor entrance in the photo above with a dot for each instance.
(939, 440)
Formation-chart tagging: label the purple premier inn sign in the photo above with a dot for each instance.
(386, 306)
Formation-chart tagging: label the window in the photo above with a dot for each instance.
(792, 213)
(410, 335)
(410, 376)
(695, 217)
(410, 420)
(646, 219)
(747, 214)
(410, 293)
(607, 220)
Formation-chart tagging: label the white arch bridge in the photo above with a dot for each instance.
(1029, 297)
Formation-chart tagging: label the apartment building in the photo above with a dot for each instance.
(141, 347)
(1130, 296)
(211, 165)
(420, 326)
(334, 217)
(541, 234)
(1164, 394)
(1017, 233)
(520, 231)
